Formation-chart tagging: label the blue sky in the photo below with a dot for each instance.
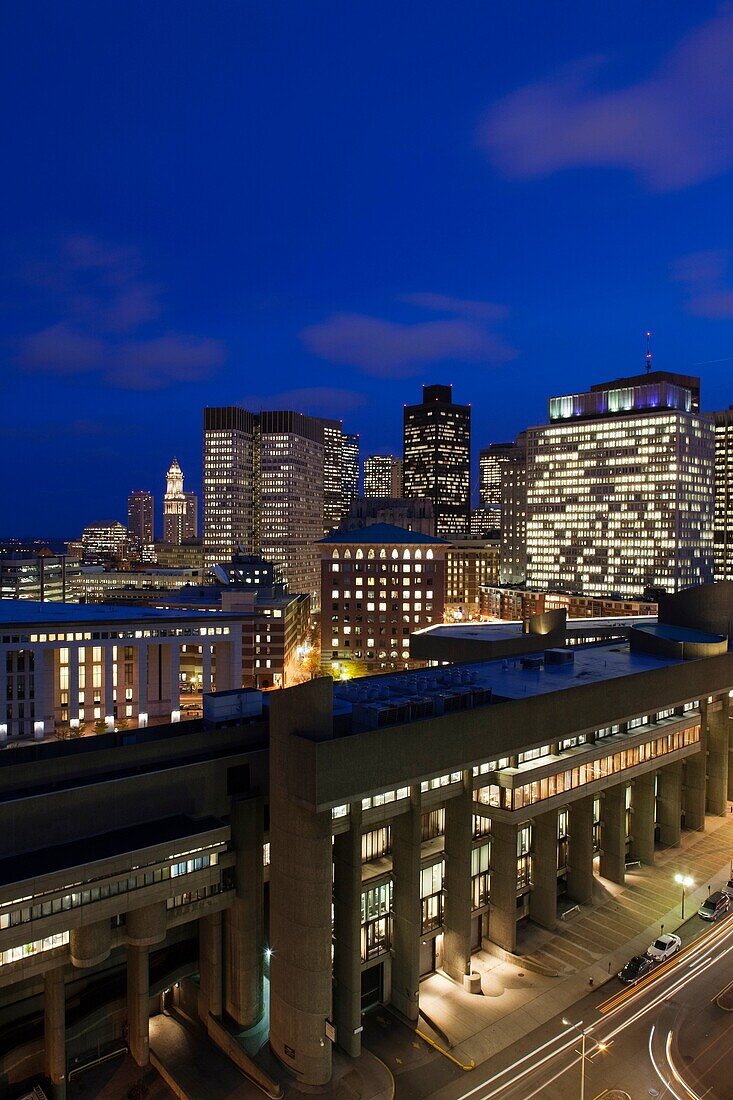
(325, 205)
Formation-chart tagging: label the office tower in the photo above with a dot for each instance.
(107, 540)
(33, 572)
(380, 583)
(383, 476)
(620, 489)
(290, 497)
(485, 523)
(332, 474)
(513, 555)
(191, 518)
(140, 521)
(229, 484)
(349, 470)
(491, 461)
(723, 523)
(437, 458)
(470, 564)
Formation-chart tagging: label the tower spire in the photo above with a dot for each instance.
(648, 352)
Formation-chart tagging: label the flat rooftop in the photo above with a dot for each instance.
(493, 631)
(35, 613)
(511, 678)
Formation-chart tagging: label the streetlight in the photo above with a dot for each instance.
(583, 1032)
(685, 882)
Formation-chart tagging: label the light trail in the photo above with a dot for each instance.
(677, 1076)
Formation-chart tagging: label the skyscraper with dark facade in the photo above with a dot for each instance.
(349, 470)
(437, 458)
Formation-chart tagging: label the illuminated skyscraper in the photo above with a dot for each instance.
(513, 553)
(230, 487)
(349, 470)
(723, 549)
(383, 476)
(620, 489)
(332, 474)
(290, 498)
(179, 508)
(437, 458)
(140, 516)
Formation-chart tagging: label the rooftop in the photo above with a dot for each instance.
(34, 612)
(383, 532)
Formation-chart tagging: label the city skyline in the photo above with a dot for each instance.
(129, 306)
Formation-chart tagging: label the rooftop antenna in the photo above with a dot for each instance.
(648, 352)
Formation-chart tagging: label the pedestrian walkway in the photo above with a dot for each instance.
(588, 952)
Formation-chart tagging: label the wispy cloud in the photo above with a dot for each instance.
(391, 348)
(315, 400)
(673, 128)
(104, 314)
(703, 276)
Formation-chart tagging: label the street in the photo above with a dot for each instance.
(662, 1038)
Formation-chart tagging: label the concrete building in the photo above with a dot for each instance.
(437, 458)
(100, 585)
(470, 564)
(66, 664)
(520, 603)
(38, 573)
(230, 519)
(411, 817)
(414, 515)
(723, 516)
(382, 476)
(378, 585)
(188, 555)
(141, 516)
(620, 490)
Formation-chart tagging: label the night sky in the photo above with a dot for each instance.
(322, 205)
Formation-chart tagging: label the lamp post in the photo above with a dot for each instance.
(685, 882)
(584, 1032)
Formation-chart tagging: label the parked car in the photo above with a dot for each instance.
(664, 947)
(636, 969)
(716, 906)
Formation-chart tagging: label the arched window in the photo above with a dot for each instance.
(429, 555)
(418, 555)
(395, 554)
(383, 553)
(371, 552)
(406, 554)
(360, 553)
(335, 554)
(347, 553)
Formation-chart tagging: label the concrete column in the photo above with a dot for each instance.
(457, 881)
(41, 688)
(142, 679)
(235, 656)
(54, 1030)
(300, 885)
(543, 899)
(146, 926)
(580, 871)
(73, 681)
(347, 935)
(503, 913)
(244, 948)
(716, 718)
(205, 666)
(138, 1004)
(613, 834)
(643, 818)
(3, 694)
(669, 803)
(174, 653)
(407, 907)
(210, 966)
(694, 786)
(91, 944)
(109, 704)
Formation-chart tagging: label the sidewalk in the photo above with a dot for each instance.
(591, 949)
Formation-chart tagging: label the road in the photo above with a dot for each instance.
(664, 1038)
